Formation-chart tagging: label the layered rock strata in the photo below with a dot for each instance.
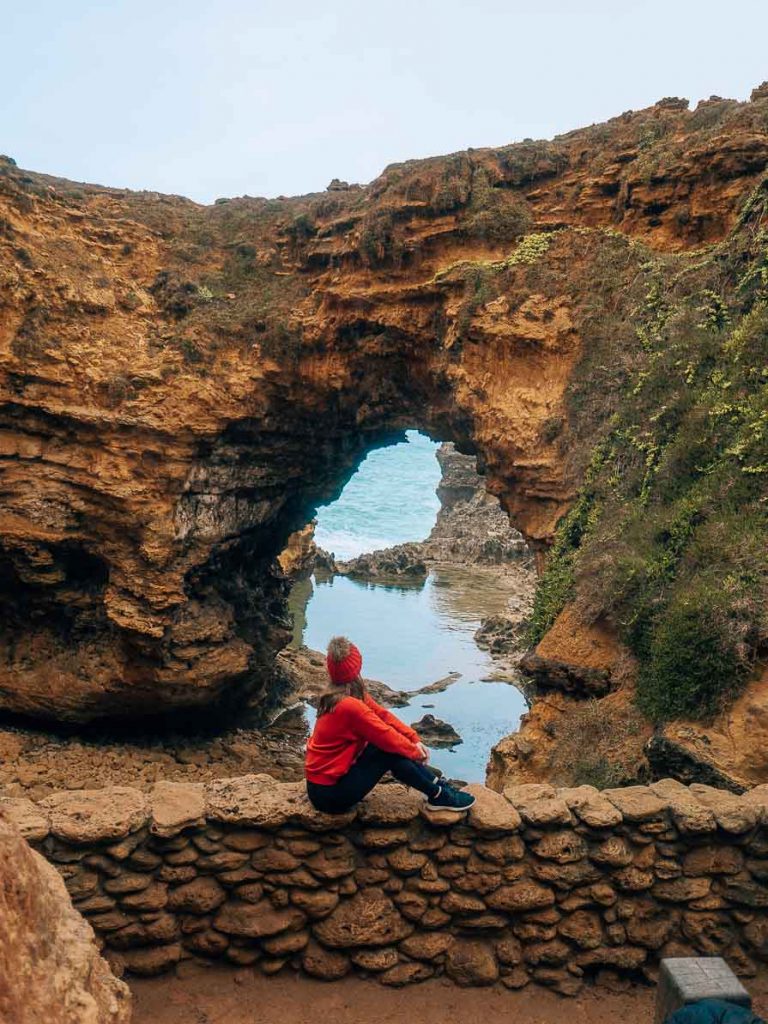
(537, 884)
(181, 386)
(471, 527)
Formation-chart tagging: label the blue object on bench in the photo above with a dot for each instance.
(714, 1011)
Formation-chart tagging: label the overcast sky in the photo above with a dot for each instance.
(270, 97)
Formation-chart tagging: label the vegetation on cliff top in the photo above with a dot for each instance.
(669, 534)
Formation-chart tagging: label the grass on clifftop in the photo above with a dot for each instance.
(669, 535)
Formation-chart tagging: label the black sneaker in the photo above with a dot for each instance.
(450, 799)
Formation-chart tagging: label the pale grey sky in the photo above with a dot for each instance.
(260, 97)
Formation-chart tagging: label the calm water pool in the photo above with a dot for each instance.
(413, 636)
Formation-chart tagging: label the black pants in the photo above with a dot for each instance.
(372, 764)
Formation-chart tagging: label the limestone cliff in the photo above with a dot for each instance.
(180, 386)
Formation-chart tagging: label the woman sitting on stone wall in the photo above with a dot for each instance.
(355, 742)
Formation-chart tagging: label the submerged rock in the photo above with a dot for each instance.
(501, 635)
(436, 733)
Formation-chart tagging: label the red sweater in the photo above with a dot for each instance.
(340, 735)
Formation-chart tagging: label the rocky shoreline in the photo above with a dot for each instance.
(471, 529)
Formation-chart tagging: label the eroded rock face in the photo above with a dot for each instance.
(729, 752)
(472, 527)
(181, 386)
(582, 726)
(50, 964)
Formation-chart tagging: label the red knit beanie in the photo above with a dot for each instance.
(344, 661)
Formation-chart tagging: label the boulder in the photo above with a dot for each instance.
(491, 812)
(200, 896)
(406, 974)
(391, 804)
(30, 819)
(316, 905)
(689, 814)
(374, 959)
(471, 962)
(520, 896)
(405, 861)
(426, 945)
(509, 951)
(50, 965)
(538, 804)
(561, 847)
(591, 806)
(286, 943)
(732, 813)
(369, 918)
(713, 860)
(153, 960)
(559, 979)
(583, 928)
(614, 851)
(256, 920)
(261, 801)
(636, 803)
(626, 958)
(176, 806)
(325, 964)
(96, 815)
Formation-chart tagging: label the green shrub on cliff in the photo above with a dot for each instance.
(676, 504)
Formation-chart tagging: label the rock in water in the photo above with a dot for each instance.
(401, 562)
(325, 562)
(436, 733)
(471, 528)
(501, 635)
(50, 967)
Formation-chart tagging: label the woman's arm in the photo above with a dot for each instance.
(392, 720)
(376, 730)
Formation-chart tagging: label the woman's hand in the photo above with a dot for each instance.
(423, 753)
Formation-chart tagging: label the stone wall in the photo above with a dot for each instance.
(536, 884)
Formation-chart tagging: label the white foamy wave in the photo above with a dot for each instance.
(348, 545)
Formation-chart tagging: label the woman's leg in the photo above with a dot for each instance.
(414, 774)
(372, 764)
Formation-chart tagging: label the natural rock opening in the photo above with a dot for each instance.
(182, 385)
(415, 556)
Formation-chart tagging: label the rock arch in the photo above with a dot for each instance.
(182, 385)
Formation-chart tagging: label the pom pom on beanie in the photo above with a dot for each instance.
(344, 661)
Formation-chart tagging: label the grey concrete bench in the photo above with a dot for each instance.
(685, 980)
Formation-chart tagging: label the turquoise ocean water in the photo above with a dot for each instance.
(413, 636)
(390, 499)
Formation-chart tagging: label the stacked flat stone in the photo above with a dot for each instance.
(536, 884)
